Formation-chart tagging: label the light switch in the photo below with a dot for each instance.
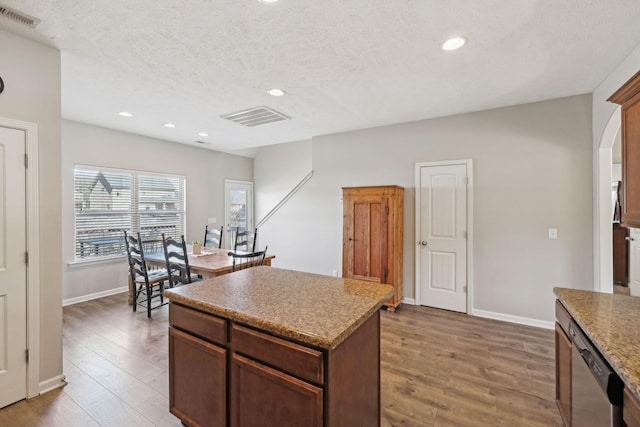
(553, 233)
(212, 221)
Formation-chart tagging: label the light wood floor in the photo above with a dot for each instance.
(438, 369)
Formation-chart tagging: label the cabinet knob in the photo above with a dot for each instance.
(423, 242)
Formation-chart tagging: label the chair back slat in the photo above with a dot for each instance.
(244, 242)
(246, 260)
(177, 260)
(213, 236)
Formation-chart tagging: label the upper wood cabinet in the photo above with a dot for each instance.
(372, 236)
(628, 96)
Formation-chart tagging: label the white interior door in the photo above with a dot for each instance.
(442, 235)
(238, 212)
(634, 262)
(13, 268)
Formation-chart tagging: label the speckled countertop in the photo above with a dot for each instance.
(612, 322)
(316, 310)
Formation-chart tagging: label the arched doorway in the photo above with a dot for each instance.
(603, 231)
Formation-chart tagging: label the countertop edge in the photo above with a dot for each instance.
(277, 329)
(633, 384)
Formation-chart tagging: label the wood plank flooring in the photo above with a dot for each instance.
(438, 369)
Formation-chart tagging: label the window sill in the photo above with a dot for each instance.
(79, 263)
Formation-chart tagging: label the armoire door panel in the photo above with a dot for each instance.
(361, 243)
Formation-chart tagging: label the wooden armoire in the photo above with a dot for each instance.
(372, 236)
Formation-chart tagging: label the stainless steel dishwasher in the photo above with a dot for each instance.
(596, 390)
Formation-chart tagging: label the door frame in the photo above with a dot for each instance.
(250, 214)
(469, 165)
(33, 247)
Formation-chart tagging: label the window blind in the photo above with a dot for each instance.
(108, 202)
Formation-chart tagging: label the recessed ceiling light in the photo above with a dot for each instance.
(203, 134)
(169, 125)
(275, 92)
(454, 43)
(267, 1)
(125, 114)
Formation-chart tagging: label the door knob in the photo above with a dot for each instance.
(423, 243)
(631, 239)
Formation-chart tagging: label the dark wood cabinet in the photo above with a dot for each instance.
(631, 410)
(620, 255)
(263, 389)
(628, 96)
(263, 380)
(563, 375)
(197, 380)
(373, 236)
(563, 364)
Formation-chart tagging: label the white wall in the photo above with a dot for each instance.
(31, 74)
(276, 172)
(205, 172)
(533, 170)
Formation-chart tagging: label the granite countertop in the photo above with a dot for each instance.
(612, 322)
(316, 310)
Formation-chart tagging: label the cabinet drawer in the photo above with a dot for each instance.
(204, 325)
(292, 358)
(631, 410)
(563, 317)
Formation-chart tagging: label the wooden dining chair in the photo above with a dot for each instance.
(213, 236)
(243, 242)
(145, 282)
(245, 260)
(175, 255)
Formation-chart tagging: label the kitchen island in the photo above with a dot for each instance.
(612, 323)
(274, 347)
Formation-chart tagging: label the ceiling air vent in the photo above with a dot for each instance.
(20, 17)
(256, 116)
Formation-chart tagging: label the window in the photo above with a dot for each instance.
(109, 201)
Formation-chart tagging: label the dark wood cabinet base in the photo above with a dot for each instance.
(217, 365)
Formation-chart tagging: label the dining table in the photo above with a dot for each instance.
(210, 262)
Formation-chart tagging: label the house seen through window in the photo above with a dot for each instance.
(110, 201)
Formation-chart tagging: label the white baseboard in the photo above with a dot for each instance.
(52, 384)
(410, 301)
(96, 295)
(513, 319)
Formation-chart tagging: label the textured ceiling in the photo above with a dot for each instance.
(345, 64)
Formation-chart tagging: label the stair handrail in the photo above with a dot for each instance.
(284, 200)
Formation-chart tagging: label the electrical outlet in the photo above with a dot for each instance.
(335, 273)
(553, 233)
(212, 221)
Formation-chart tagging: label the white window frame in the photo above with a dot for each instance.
(134, 211)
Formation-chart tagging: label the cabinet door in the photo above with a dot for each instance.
(197, 380)
(563, 375)
(631, 410)
(365, 238)
(631, 162)
(634, 263)
(264, 397)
